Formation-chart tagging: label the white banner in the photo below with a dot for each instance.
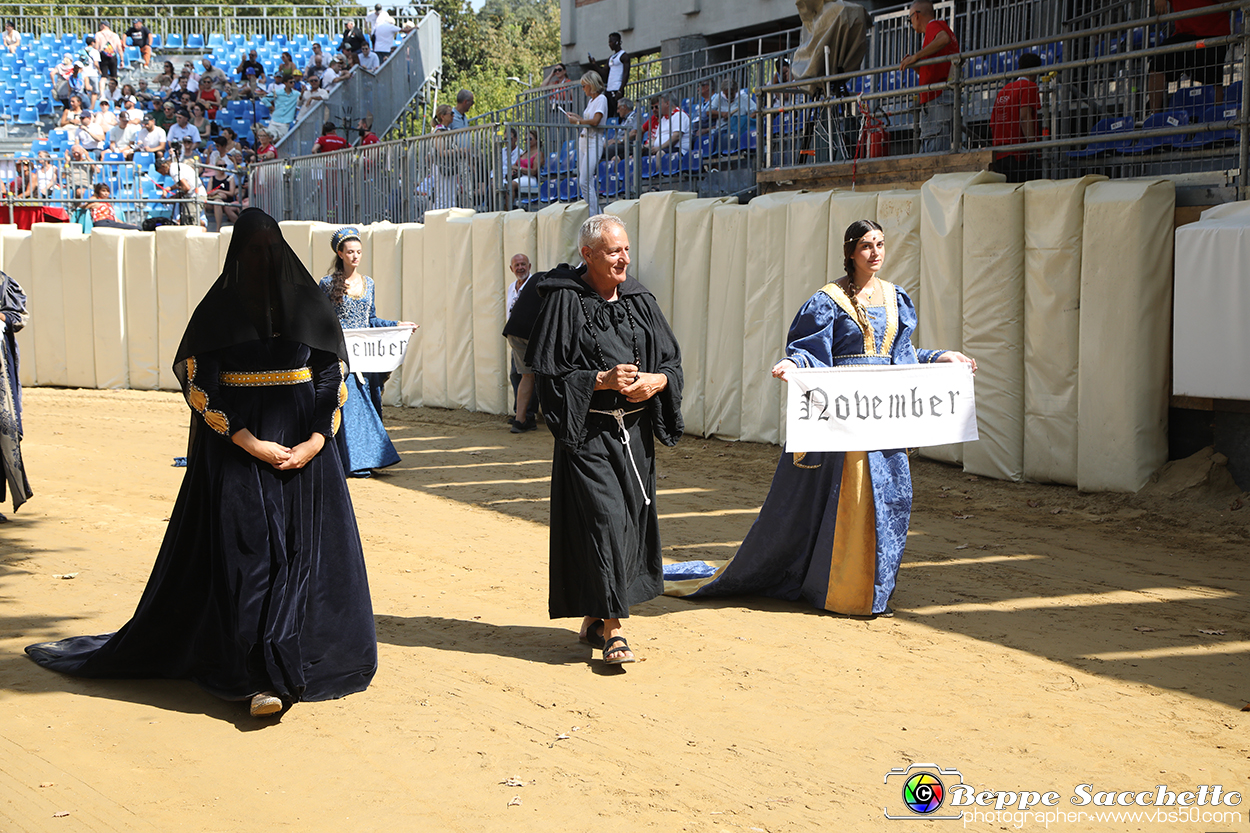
(376, 349)
(880, 407)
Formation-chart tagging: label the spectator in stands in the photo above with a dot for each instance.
(368, 59)
(106, 118)
(73, 111)
(167, 76)
(12, 37)
(110, 46)
(89, 136)
(312, 93)
(378, 16)
(288, 65)
(708, 113)
(79, 173)
(102, 214)
(674, 135)
(152, 138)
(591, 138)
(264, 145)
(209, 69)
(740, 106)
(335, 75)
(328, 140)
(250, 62)
(218, 151)
(525, 170)
(627, 117)
(26, 182)
(167, 115)
(249, 88)
(208, 98)
(650, 127)
(1015, 120)
(183, 129)
(614, 71)
(282, 105)
(89, 58)
(122, 137)
(140, 36)
(353, 38)
(317, 63)
(385, 36)
(184, 85)
(131, 106)
(112, 93)
(1203, 65)
(66, 82)
(47, 177)
(186, 186)
(464, 103)
(365, 131)
(936, 106)
(223, 193)
(200, 120)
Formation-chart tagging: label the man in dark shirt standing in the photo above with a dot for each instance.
(936, 106)
(142, 38)
(1015, 120)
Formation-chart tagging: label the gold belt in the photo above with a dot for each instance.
(263, 378)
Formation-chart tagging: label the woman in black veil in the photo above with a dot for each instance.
(259, 590)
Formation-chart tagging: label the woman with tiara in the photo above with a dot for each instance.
(834, 525)
(363, 443)
(259, 590)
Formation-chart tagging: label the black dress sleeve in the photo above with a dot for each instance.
(329, 381)
(203, 394)
(564, 374)
(664, 356)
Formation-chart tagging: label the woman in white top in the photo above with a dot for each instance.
(590, 142)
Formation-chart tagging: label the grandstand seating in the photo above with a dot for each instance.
(1168, 118)
(1105, 127)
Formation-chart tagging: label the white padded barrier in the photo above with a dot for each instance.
(459, 330)
(806, 269)
(726, 314)
(384, 265)
(766, 321)
(1211, 346)
(142, 311)
(520, 236)
(203, 267)
(17, 264)
(173, 304)
(108, 307)
(436, 286)
(653, 254)
(557, 234)
(1126, 309)
(45, 297)
(898, 213)
(941, 272)
(78, 322)
(993, 332)
(298, 235)
(411, 374)
(692, 225)
(628, 211)
(1054, 216)
(845, 207)
(490, 285)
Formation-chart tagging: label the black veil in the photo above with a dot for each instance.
(263, 292)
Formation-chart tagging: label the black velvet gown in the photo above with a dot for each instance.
(260, 581)
(605, 539)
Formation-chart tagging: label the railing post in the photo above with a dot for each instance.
(1243, 138)
(288, 192)
(957, 124)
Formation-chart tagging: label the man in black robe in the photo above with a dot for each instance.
(13, 317)
(609, 378)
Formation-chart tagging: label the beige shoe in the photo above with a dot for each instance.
(266, 703)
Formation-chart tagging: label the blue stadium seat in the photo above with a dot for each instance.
(567, 161)
(133, 55)
(1105, 127)
(156, 41)
(1232, 93)
(40, 144)
(28, 115)
(1168, 118)
(216, 39)
(649, 168)
(707, 145)
(144, 160)
(1206, 138)
(1193, 100)
(173, 41)
(692, 161)
(547, 190)
(568, 190)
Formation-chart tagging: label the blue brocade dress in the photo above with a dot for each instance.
(363, 442)
(834, 524)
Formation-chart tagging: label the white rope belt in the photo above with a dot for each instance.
(620, 414)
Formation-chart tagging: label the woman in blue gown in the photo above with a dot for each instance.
(363, 443)
(834, 524)
(259, 590)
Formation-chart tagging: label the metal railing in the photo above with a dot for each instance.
(396, 181)
(1093, 82)
(383, 96)
(187, 19)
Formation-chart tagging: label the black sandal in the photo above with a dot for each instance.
(593, 635)
(609, 649)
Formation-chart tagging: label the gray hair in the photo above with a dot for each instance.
(591, 232)
(463, 96)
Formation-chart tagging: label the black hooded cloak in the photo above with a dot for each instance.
(605, 540)
(13, 476)
(260, 582)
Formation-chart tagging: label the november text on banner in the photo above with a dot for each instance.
(871, 408)
(376, 349)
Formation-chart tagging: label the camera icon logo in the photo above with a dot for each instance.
(923, 789)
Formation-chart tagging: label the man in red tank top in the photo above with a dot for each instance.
(936, 106)
(1203, 65)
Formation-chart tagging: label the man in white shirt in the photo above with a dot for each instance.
(674, 129)
(122, 137)
(151, 138)
(378, 16)
(90, 135)
(106, 119)
(384, 37)
(312, 93)
(335, 75)
(211, 70)
(183, 129)
(369, 60)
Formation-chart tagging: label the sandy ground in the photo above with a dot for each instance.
(1044, 639)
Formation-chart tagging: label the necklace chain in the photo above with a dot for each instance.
(633, 334)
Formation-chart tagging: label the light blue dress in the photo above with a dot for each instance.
(363, 442)
(834, 525)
